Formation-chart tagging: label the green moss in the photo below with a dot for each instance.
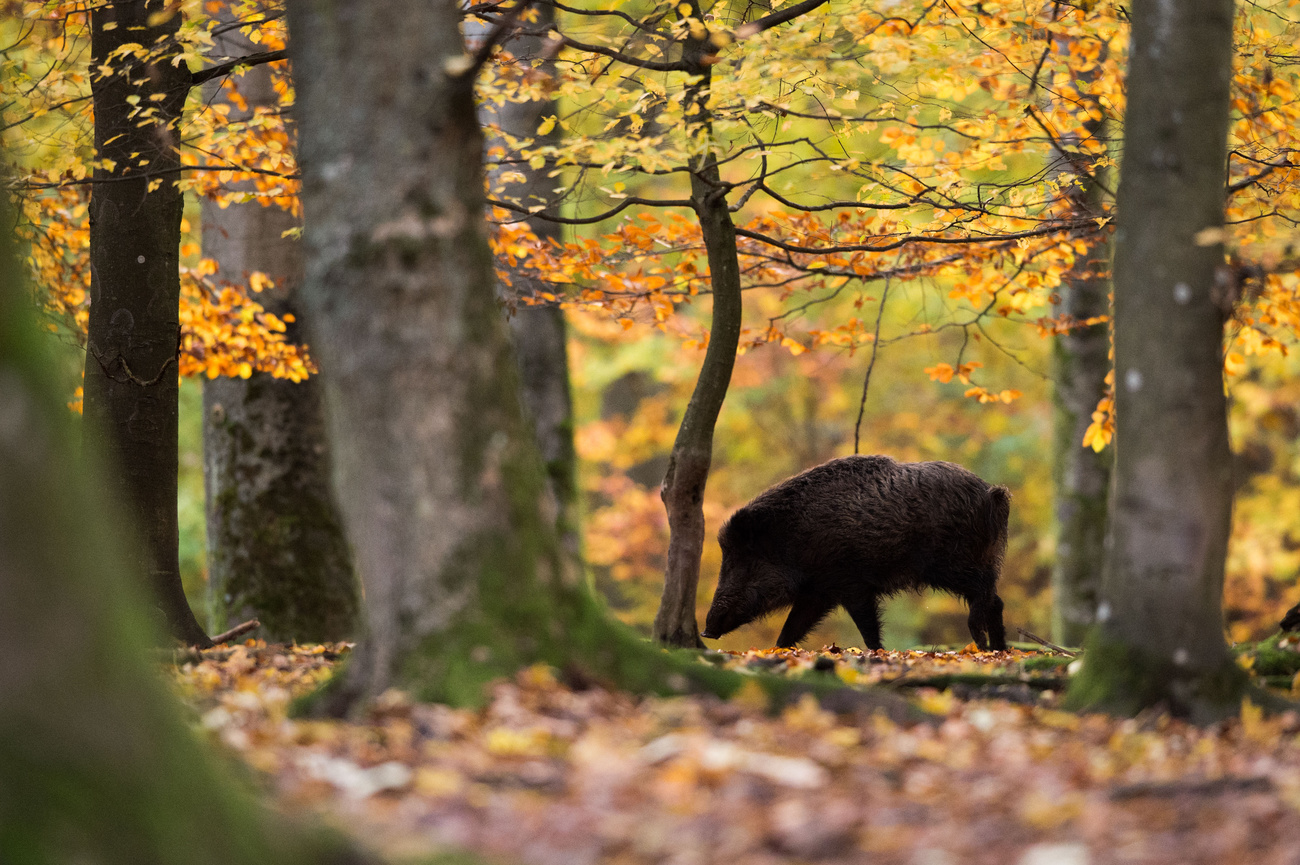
(1122, 679)
(1047, 662)
(1271, 659)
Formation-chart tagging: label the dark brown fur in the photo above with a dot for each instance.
(857, 529)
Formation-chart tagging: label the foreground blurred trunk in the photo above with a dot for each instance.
(96, 764)
(1159, 637)
(131, 385)
(276, 549)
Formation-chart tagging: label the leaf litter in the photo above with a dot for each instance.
(551, 775)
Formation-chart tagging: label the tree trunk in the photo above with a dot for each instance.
(539, 332)
(692, 453)
(276, 549)
(131, 386)
(441, 487)
(1159, 638)
(1081, 360)
(1081, 475)
(95, 763)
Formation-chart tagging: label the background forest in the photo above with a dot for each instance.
(415, 342)
(994, 103)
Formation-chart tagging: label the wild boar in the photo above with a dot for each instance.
(854, 530)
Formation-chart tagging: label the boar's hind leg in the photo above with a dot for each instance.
(808, 610)
(866, 615)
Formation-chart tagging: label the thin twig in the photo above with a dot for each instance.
(875, 347)
(236, 631)
(1040, 641)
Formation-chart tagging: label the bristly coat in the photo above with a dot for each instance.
(854, 530)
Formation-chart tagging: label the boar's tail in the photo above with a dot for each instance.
(997, 514)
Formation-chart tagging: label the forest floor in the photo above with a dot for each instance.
(547, 775)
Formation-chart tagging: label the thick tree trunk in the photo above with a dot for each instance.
(95, 763)
(440, 483)
(1159, 639)
(692, 454)
(276, 549)
(131, 379)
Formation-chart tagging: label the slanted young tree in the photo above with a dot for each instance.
(276, 549)
(1159, 636)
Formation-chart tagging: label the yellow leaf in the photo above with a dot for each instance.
(547, 125)
(937, 703)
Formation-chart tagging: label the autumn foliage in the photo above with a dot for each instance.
(901, 176)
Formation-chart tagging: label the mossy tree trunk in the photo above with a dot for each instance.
(539, 332)
(1159, 637)
(439, 480)
(96, 764)
(441, 487)
(276, 548)
(131, 386)
(1081, 360)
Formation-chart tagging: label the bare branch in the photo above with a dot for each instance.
(205, 75)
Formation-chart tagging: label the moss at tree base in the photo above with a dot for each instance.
(1122, 679)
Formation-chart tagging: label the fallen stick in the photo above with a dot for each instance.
(1033, 638)
(236, 631)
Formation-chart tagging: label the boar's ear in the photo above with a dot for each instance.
(743, 530)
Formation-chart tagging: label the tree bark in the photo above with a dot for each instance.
(131, 385)
(1159, 638)
(95, 763)
(276, 549)
(692, 453)
(1081, 360)
(539, 332)
(1081, 475)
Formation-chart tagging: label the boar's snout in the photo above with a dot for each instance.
(721, 618)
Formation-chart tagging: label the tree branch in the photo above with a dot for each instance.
(205, 75)
(767, 22)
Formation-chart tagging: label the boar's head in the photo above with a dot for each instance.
(750, 584)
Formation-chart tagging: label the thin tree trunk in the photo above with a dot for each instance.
(96, 764)
(692, 453)
(1159, 639)
(276, 549)
(1081, 360)
(1082, 476)
(131, 386)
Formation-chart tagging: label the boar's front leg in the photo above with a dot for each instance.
(808, 610)
(985, 623)
(866, 615)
